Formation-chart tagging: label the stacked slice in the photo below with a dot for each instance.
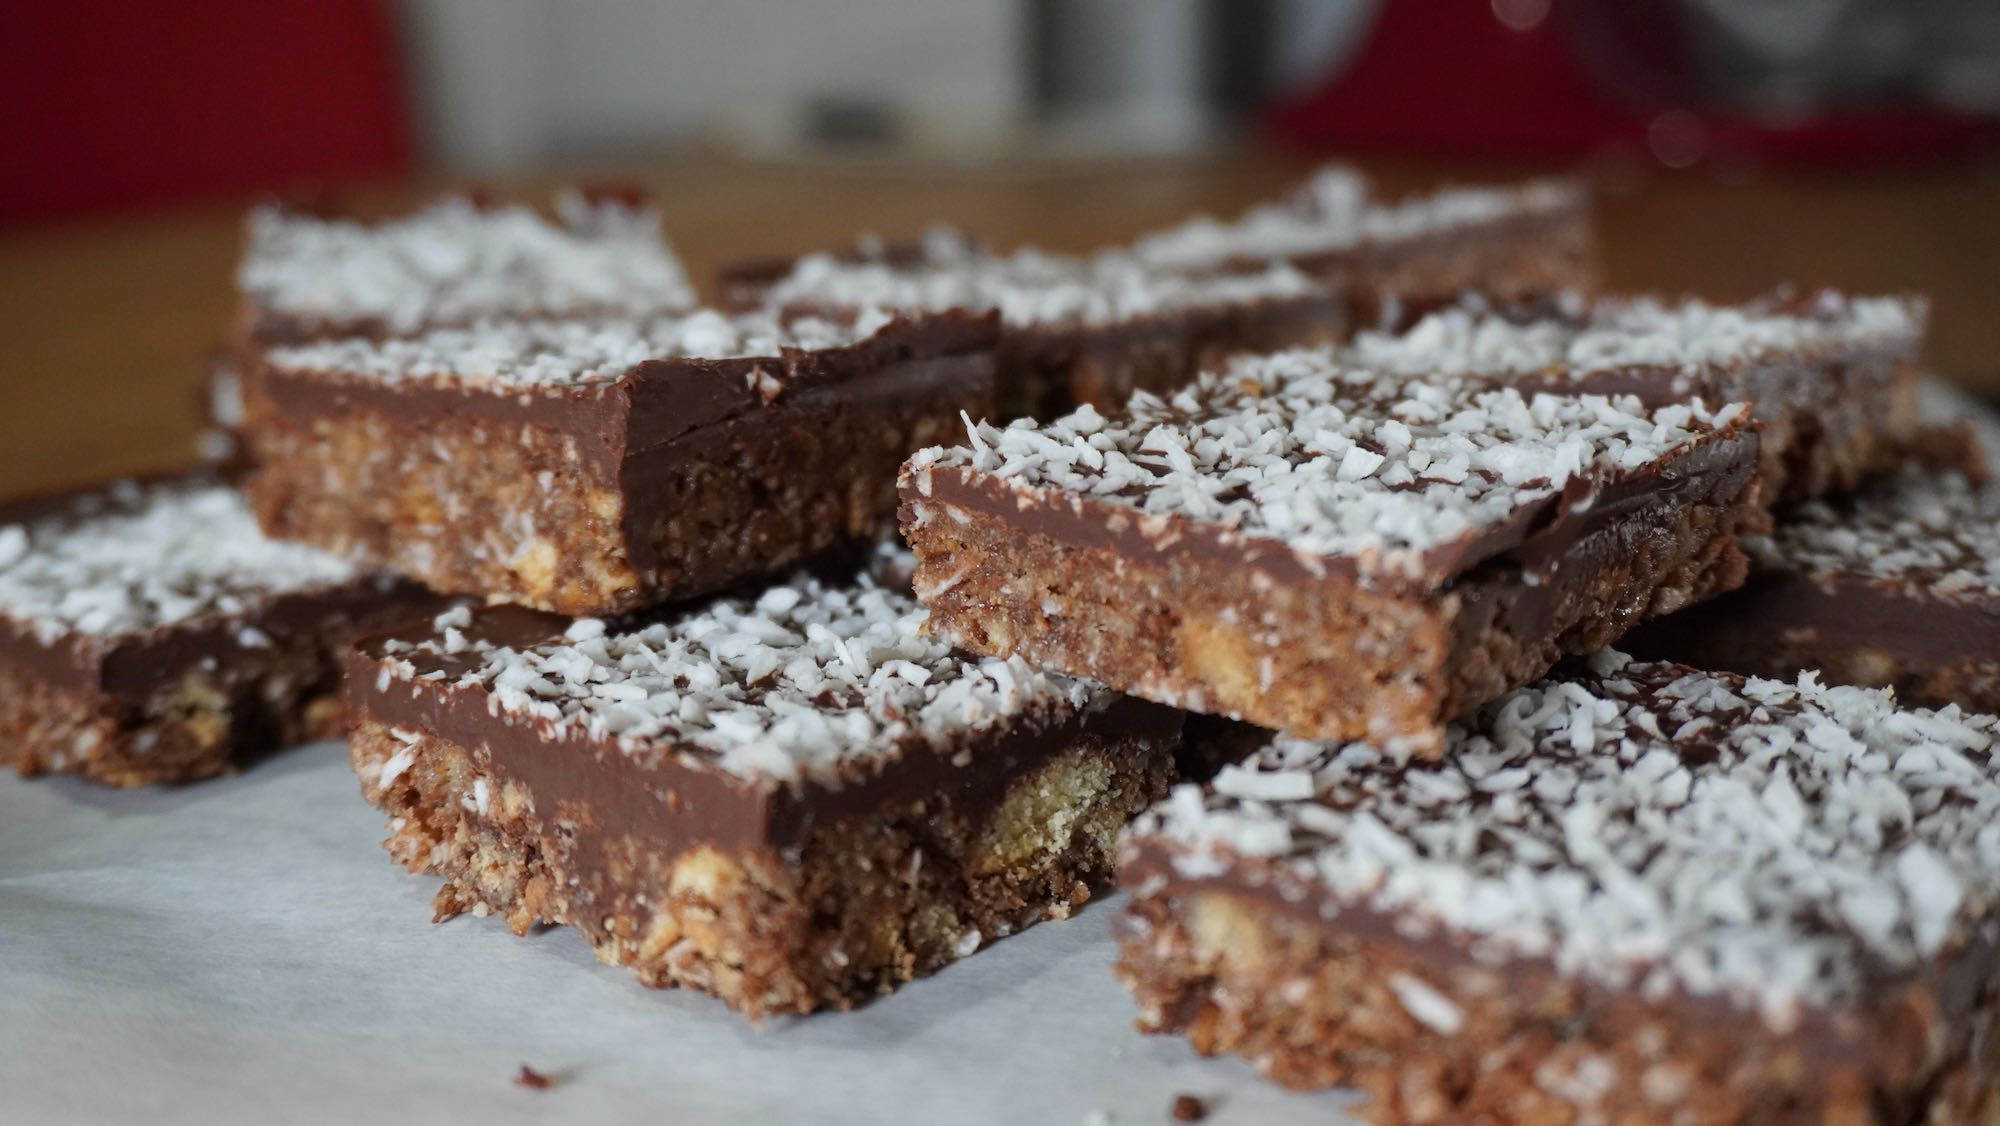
(310, 274)
(150, 632)
(791, 800)
(1833, 378)
(1074, 330)
(1395, 259)
(603, 465)
(1894, 585)
(1329, 550)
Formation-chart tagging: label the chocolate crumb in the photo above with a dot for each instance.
(1188, 1108)
(532, 1079)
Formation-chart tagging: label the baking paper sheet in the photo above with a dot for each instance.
(243, 951)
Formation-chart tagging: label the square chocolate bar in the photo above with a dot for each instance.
(791, 800)
(1833, 378)
(597, 466)
(1629, 893)
(313, 275)
(1329, 550)
(151, 633)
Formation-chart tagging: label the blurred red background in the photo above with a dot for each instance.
(113, 105)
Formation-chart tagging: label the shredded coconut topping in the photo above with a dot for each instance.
(1646, 825)
(135, 559)
(456, 262)
(1332, 461)
(808, 681)
(1333, 211)
(1641, 332)
(517, 355)
(1926, 533)
(1030, 288)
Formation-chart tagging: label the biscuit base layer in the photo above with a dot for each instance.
(1433, 1036)
(865, 903)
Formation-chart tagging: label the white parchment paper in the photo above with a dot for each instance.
(243, 951)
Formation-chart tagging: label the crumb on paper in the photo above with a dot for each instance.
(532, 1079)
(1188, 1108)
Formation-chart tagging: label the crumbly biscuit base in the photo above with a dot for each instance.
(501, 509)
(865, 904)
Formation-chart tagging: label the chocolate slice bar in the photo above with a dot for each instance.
(1631, 893)
(1833, 378)
(597, 466)
(791, 800)
(1397, 259)
(1332, 551)
(1897, 585)
(1073, 329)
(311, 274)
(150, 633)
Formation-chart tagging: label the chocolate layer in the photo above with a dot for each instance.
(1537, 538)
(658, 401)
(1785, 622)
(930, 387)
(676, 797)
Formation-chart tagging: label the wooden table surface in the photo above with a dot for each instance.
(104, 326)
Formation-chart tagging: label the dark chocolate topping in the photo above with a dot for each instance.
(785, 732)
(653, 403)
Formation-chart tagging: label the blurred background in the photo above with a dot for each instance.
(1735, 143)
